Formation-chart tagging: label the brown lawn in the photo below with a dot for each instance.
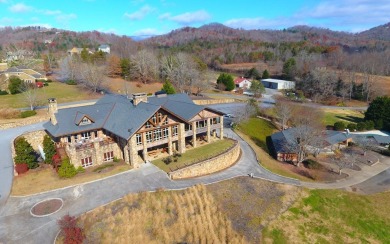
(118, 85)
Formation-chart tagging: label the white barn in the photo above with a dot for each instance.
(278, 84)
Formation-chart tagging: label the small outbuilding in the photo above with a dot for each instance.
(242, 82)
(278, 84)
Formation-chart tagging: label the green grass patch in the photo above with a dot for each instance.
(258, 130)
(195, 155)
(62, 92)
(278, 236)
(339, 216)
(104, 166)
(28, 113)
(332, 116)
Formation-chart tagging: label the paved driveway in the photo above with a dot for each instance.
(17, 226)
(6, 162)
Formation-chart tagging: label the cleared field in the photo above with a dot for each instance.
(333, 216)
(195, 155)
(189, 216)
(273, 68)
(348, 116)
(62, 92)
(119, 85)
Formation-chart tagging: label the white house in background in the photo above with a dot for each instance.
(242, 82)
(278, 84)
(104, 48)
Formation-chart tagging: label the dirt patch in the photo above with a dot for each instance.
(251, 204)
(119, 85)
(46, 207)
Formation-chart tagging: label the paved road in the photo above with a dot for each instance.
(6, 162)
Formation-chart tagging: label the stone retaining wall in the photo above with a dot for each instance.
(22, 122)
(209, 166)
(214, 101)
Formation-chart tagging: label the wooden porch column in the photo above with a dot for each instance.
(221, 135)
(194, 134)
(208, 130)
(145, 148)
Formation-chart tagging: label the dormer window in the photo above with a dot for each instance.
(85, 121)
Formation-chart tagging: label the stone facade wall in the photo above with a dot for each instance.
(209, 166)
(22, 122)
(214, 101)
(96, 152)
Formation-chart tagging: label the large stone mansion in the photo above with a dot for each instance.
(131, 129)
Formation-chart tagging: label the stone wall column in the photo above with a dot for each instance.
(145, 147)
(133, 153)
(221, 135)
(72, 139)
(181, 142)
(194, 134)
(126, 154)
(208, 130)
(170, 151)
(99, 154)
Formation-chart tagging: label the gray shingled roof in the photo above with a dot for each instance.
(117, 114)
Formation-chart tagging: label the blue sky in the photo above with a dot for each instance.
(146, 17)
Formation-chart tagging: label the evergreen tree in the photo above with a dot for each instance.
(379, 112)
(15, 84)
(252, 73)
(265, 74)
(168, 87)
(289, 68)
(25, 153)
(257, 88)
(125, 67)
(48, 148)
(84, 55)
(226, 80)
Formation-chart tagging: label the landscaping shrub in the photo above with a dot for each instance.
(80, 169)
(71, 82)
(312, 164)
(167, 160)
(21, 168)
(67, 170)
(25, 153)
(386, 152)
(49, 81)
(116, 160)
(3, 92)
(339, 126)
(351, 126)
(72, 233)
(49, 149)
(370, 125)
(361, 126)
(28, 113)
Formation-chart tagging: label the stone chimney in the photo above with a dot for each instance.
(52, 110)
(139, 97)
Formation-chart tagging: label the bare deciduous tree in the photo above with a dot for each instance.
(92, 76)
(284, 112)
(145, 66)
(69, 68)
(30, 94)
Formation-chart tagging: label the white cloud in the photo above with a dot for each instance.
(188, 18)
(140, 14)
(259, 23)
(51, 12)
(20, 8)
(147, 32)
(64, 19)
(3, 1)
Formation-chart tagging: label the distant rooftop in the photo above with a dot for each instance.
(276, 80)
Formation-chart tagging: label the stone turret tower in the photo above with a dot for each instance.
(52, 110)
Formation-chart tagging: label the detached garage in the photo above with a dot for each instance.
(278, 84)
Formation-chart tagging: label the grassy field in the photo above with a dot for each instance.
(195, 155)
(333, 216)
(348, 116)
(255, 132)
(188, 216)
(46, 179)
(62, 92)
